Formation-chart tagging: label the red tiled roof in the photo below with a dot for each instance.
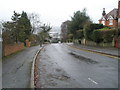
(113, 13)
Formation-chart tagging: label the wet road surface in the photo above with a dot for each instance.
(16, 71)
(61, 66)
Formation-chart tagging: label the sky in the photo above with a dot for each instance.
(54, 12)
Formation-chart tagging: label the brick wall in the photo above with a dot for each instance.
(9, 49)
(115, 23)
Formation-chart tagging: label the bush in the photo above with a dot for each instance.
(96, 26)
(108, 35)
(96, 36)
(89, 29)
(105, 36)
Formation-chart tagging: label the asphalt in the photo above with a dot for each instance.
(16, 71)
(61, 66)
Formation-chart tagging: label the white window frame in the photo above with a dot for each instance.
(118, 20)
(110, 22)
(110, 18)
(103, 22)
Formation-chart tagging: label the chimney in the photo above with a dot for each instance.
(118, 8)
(103, 14)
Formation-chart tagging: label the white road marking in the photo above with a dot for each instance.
(92, 80)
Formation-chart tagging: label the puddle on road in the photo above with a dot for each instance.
(87, 60)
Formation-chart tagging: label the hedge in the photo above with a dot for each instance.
(96, 26)
(89, 29)
(105, 36)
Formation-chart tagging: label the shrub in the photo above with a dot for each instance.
(89, 29)
(96, 36)
(105, 36)
(96, 26)
(108, 35)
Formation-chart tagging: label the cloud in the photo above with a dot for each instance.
(56, 11)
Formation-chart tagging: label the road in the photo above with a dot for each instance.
(61, 66)
(16, 70)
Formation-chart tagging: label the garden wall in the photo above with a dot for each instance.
(12, 48)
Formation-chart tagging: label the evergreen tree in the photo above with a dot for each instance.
(24, 27)
(78, 21)
(15, 26)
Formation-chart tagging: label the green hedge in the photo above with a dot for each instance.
(96, 26)
(105, 36)
(89, 29)
(96, 36)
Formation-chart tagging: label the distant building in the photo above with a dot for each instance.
(55, 37)
(111, 19)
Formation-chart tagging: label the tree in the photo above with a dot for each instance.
(15, 26)
(78, 21)
(8, 37)
(97, 36)
(64, 30)
(44, 33)
(79, 34)
(35, 22)
(46, 28)
(89, 28)
(87, 31)
(24, 27)
(19, 28)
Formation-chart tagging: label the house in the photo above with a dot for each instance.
(111, 19)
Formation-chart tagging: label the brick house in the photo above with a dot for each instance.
(111, 19)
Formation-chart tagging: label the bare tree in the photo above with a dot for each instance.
(35, 22)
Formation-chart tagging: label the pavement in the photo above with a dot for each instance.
(109, 50)
(16, 70)
(61, 66)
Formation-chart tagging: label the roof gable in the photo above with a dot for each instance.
(112, 13)
(110, 17)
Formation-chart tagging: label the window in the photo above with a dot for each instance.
(110, 18)
(103, 22)
(110, 22)
(119, 20)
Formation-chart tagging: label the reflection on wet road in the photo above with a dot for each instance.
(61, 66)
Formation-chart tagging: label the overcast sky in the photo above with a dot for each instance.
(56, 11)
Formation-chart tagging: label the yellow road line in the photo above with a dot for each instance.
(95, 52)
